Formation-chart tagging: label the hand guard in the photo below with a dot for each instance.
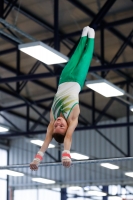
(39, 157)
(66, 155)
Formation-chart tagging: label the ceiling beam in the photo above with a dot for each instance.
(31, 77)
(117, 125)
(90, 13)
(14, 71)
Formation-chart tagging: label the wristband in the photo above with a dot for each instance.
(66, 155)
(39, 156)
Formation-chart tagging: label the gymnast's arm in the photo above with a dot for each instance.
(72, 124)
(48, 138)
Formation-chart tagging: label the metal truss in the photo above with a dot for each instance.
(98, 23)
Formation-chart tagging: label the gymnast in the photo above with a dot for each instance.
(65, 109)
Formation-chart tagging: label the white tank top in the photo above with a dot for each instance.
(66, 98)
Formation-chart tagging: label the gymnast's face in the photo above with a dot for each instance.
(60, 126)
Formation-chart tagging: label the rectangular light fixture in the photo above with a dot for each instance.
(43, 52)
(130, 174)
(74, 188)
(105, 88)
(78, 156)
(40, 143)
(109, 166)
(3, 129)
(96, 193)
(43, 180)
(11, 173)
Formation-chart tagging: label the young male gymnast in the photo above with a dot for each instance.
(65, 109)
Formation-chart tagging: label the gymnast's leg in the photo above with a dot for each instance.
(82, 68)
(67, 73)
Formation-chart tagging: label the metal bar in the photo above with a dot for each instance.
(128, 128)
(117, 125)
(28, 116)
(23, 117)
(7, 6)
(104, 110)
(44, 85)
(14, 94)
(93, 107)
(88, 12)
(39, 119)
(97, 110)
(119, 52)
(33, 69)
(36, 19)
(11, 6)
(118, 22)
(16, 29)
(27, 77)
(10, 36)
(120, 36)
(111, 67)
(56, 25)
(121, 49)
(8, 51)
(103, 11)
(51, 156)
(26, 101)
(24, 104)
(9, 122)
(30, 102)
(107, 25)
(18, 69)
(8, 178)
(64, 194)
(113, 144)
(107, 139)
(49, 75)
(73, 163)
(1, 8)
(6, 38)
(102, 49)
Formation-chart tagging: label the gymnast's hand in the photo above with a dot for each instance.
(34, 165)
(66, 159)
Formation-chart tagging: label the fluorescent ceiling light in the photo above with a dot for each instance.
(96, 193)
(73, 188)
(78, 156)
(40, 143)
(110, 166)
(43, 180)
(114, 198)
(43, 52)
(129, 174)
(3, 129)
(105, 88)
(11, 173)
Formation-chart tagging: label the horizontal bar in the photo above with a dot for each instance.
(73, 163)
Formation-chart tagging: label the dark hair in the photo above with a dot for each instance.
(58, 137)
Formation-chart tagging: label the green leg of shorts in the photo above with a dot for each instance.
(77, 68)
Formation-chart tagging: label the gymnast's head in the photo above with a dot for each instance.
(60, 128)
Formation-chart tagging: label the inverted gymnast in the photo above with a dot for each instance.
(65, 109)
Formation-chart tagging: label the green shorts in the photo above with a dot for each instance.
(77, 68)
